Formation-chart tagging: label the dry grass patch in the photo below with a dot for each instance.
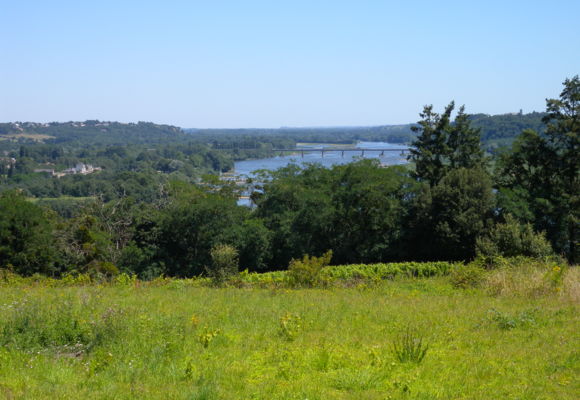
(534, 279)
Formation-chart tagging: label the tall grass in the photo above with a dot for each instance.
(182, 339)
(531, 278)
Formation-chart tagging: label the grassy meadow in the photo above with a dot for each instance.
(185, 340)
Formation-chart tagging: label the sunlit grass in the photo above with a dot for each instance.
(175, 342)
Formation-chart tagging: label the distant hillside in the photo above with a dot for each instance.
(90, 132)
(500, 130)
(387, 133)
(496, 131)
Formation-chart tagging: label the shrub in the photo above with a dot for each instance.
(409, 347)
(307, 272)
(9, 278)
(75, 279)
(224, 263)
(512, 239)
(125, 280)
(101, 270)
(467, 276)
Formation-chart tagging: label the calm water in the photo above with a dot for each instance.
(330, 158)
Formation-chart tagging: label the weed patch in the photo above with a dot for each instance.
(410, 347)
(506, 321)
(36, 324)
(207, 336)
(290, 326)
(358, 380)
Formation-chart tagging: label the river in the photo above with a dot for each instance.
(330, 158)
(246, 167)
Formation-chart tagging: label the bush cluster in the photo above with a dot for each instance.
(307, 271)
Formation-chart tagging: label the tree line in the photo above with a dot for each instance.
(452, 202)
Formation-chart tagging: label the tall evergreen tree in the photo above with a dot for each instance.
(429, 152)
(544, 170)
(464, 143)
(455, 203)
(443, 145)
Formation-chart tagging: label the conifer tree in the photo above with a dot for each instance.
(443, 146)
(464, 143)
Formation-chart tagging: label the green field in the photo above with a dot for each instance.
(37, 137)
(183, 340)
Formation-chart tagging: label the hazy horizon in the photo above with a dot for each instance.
(260, 65)
(244, 128)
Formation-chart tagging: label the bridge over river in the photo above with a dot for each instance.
(341, 150)
(323, 154)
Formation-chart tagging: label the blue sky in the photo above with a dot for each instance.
(273, 63)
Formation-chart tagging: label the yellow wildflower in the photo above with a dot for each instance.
(194, 320)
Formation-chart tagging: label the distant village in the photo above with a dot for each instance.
(80, 168)
(9, 163)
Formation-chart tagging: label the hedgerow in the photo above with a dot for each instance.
(327, 275)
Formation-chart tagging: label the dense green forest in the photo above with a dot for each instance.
(134, 170)
(93, 132)
(501, 130)
(155, 206)
(387, 133)
(496, 131)
(122, 159)
(135, 159)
